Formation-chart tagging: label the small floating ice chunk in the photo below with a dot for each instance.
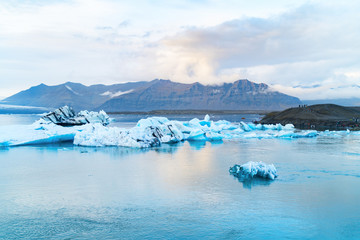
(302, 134)
(197, 135)
(93, 117)
(254, 169)
(245, 127)
(194, 123)
(289, 126)
(152, 121)
(207, 118)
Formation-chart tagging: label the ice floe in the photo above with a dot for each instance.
(153, 131)
(251, 169)
(89, 129)
(16, 135)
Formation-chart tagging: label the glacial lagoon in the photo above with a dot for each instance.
(182, 190)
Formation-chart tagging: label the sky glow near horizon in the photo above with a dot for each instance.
(308, 49)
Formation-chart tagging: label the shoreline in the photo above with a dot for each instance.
(318, 117)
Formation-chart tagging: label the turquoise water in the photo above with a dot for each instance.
(181, 191)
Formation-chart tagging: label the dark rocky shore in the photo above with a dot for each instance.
(319, 117)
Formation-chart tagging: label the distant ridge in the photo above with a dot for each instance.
(156, 95)
(319, 116)
(340, 101)
(73, 94)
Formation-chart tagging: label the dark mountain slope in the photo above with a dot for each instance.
(73, 94)
(155, 95)
(167, 95)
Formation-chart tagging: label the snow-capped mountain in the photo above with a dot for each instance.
(156, 95)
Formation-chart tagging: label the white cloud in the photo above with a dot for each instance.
(290, 47)
(116, 94)
(303, 47)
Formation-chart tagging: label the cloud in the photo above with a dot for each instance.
(309, 50)
(305, 46)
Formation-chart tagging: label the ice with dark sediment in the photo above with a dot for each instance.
(154, 131)
(66, 116)
(90, 130)
(58, 126)
(251, 170)
(97, 135)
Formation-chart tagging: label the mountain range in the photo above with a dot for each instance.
(155, 95)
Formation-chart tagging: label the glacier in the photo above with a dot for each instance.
(251, 169)
(149, 132)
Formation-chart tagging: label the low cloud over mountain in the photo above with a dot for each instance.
(156, 95)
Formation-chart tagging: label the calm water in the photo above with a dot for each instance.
(181, 191)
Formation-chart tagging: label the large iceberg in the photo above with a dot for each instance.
(58, 126)
(154, 131)
(65, 116)
(90, 130)
(99, 135)
(251, 169)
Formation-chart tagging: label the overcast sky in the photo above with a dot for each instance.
(309, 49)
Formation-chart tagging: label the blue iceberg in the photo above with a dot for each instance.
(251, 170)
(16, 135)
(90, 129)
(51, 127)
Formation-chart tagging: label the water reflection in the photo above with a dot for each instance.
(3, 148)
(113, 151)
(180, 191)
(122, 151)
(169, 148)
(197, 145)
(248, 183)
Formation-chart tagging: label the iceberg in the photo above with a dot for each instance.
(251, 170)
(17, 135)
(163, 129)
(91, 129)
(58, 126)
(154, 131)
(65, 116)
(97, 135)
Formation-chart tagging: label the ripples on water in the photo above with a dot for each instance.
(181, 191)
